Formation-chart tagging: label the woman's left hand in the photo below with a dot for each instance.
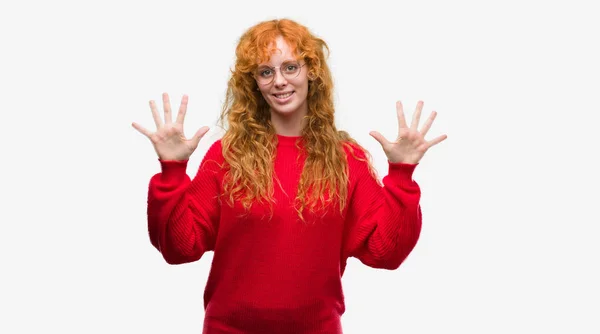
(410, 146)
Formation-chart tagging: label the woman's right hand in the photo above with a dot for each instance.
(168, 140)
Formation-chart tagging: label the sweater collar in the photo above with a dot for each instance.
(287, 140)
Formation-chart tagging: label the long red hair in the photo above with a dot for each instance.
(249, 143)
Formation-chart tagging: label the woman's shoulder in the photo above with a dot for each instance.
(213, 158)
(215, 149)
(359, 160)
(354, 151)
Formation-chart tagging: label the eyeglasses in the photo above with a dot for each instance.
(264, 75)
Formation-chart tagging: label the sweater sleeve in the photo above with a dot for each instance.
(383, 222)
(183, 214)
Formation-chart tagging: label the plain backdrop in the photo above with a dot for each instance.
(510, 199)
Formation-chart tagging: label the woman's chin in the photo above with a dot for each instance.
(285, 111)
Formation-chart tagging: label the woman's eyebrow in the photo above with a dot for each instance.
(285, 61)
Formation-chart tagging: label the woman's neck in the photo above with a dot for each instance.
(288, 125)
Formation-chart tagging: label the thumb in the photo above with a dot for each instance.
(199, 134)
(379, 137)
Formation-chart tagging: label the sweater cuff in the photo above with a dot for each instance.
(401, 171)
(173, 170)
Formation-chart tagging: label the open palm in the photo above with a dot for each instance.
(410, 145)
(169, 141)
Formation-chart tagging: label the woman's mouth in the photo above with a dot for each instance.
(283, 97)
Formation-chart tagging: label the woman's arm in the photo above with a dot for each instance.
(383, 223)
(183, 214)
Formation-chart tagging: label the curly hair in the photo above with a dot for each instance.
(249, 143)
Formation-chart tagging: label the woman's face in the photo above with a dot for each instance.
(286, 94)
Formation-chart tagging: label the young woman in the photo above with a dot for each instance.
(284, 198)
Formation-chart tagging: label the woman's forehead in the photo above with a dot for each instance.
(279, 49)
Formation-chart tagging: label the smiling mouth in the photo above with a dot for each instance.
(283, 96)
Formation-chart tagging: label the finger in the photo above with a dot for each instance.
(157, 120)
(416, 116)
(141, 129)
(428, 123)
(167, 108)
(401, 119)
(199, 134)
(182, 109)
(437, 140)
(379, 137)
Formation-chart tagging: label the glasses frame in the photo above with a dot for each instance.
(274, 69)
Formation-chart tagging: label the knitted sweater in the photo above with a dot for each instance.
(278, 274)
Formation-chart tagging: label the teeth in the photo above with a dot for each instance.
(282, 96)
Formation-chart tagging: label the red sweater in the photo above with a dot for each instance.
(280, 275)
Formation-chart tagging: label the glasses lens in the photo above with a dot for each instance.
(264, 75)
(290, 70)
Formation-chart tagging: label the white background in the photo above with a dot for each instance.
(510, 199)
